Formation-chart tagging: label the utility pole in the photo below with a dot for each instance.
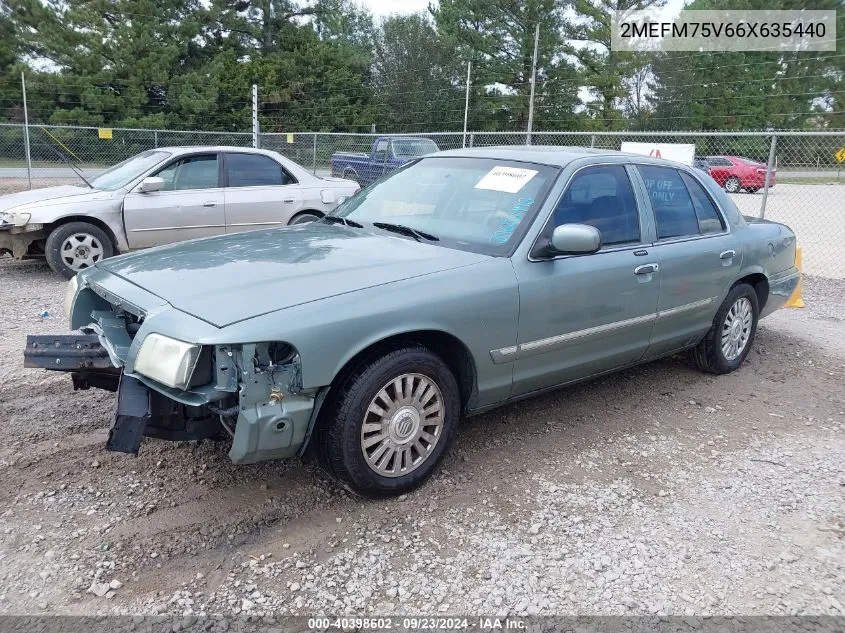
(466, 101)
(26, 133)
(255, 128)
(533, 81)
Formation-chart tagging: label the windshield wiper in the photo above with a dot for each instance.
(333, 219)
(406, 230)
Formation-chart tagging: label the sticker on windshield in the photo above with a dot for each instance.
(506, 179)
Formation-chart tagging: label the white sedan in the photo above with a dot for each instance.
(161, 196)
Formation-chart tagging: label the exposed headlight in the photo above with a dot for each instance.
(167, 360)
(70, 294)
(342, 199)
(15, 219)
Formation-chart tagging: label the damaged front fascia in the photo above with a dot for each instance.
(17, 240)
(275, 410)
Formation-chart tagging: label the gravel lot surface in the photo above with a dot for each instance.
(659, 490)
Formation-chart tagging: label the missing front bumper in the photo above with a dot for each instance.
(79, 354)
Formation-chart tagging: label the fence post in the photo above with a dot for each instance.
(26, 133)
(593, 140)
(155, 139)
(769, 167)
(533, 81)
(255, 116)
(471, 139)
(466, 101)
(314, 170)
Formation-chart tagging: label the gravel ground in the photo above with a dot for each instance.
(659, 490)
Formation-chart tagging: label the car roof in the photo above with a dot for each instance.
(555, 155)
(186, 149)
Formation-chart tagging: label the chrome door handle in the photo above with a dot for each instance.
(646, 269)
(727, 255)
(210, 203)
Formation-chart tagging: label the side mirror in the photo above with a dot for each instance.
(150, 184)
(576, 239)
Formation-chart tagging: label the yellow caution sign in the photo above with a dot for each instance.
(840, 155)
(290, 137)
(105, 133)
(796, 300)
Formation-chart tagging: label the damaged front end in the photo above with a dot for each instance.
(252, 392)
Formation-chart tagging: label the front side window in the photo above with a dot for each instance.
(674, 211)
(602, 197)
(254, 170)
(482, 205)
(191, 172)
(381, 150)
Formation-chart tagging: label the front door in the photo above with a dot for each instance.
(699, 258)
(259, 193)
(583, 315)
(189, 206)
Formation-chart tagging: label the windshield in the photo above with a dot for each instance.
(482, 205)
(127, 171)
(414, 147)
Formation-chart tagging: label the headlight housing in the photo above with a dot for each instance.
(167, 360)
(15, 219)
(70, 294)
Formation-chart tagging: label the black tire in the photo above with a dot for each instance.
(708, 354)
(58, 239)
(339, 439)
(351, 174)
(305, 217)
(733, 185)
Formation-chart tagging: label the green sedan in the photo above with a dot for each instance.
(465, 280)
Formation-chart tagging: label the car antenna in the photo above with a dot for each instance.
(67, 161)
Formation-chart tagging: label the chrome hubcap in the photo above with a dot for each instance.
(732, 185)
(736, 330)
(81, 250)
(402, 425)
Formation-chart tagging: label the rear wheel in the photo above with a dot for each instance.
(351, 174)
(733, 185)
(304, 218)
(76, 246)
(389, 422)
(729, 340)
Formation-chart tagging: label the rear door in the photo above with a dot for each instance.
(189, 206)
(698, 255)
(586, 314)
(259, 192)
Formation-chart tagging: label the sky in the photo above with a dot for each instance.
(386, 7)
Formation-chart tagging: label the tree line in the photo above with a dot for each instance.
(329, 65)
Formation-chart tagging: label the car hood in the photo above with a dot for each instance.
(47, 196)
(231, 278)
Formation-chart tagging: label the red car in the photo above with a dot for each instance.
(735, 173)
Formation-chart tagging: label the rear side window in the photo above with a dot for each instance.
(254, 170)
(709, 220)
(602, 197)
(681, 206)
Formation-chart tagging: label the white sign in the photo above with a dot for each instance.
(507, 179)
(678, 152)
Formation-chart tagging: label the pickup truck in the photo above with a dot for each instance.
(388, 153)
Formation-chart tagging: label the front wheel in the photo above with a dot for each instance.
(389, 423)
(729, 340)
(304, 218)
(76, 246)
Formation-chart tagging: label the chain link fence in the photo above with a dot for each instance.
(807, 183)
